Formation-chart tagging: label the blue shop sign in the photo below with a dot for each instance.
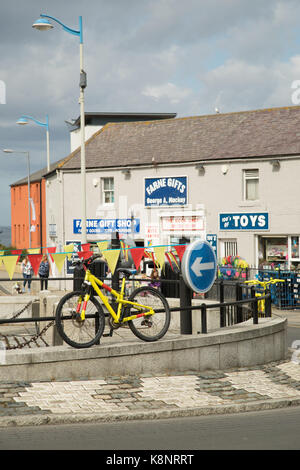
(95, 226)
(244, 221)
(166, 191)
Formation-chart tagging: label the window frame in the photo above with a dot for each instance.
(248, 177)
(110, 191)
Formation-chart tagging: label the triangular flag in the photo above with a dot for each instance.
(85, 254)
(85, 247)
(59, 259)
(69, 249)
(160, 254)
(16, 252)
(112, 257)
(10, 264)
(137, 255)
(33, 251)
(170, 262)
(51, 249)
(35, 261)
(102, 246)
(180, 249)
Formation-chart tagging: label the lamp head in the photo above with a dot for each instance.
(42, 24)
(22, 121)
(8, 151)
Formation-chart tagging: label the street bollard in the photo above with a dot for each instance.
(185, 301)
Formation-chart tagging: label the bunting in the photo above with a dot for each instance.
(69, 250)
(51, 249)
(159, 252)
(10, 264)
(59, 259)
(102, 245)
(137, 255)
(33, 251)
(35, 261)
(112, 257)
(180, 249)
(85, 254)
(85, 247)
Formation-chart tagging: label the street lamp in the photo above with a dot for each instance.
(23, 120)
(29, 199)
(43, 24)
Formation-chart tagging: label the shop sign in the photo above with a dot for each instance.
(182, 223)
(244, 221)
(96, 226)
(166, 191)
(212, 240)
(74, 257)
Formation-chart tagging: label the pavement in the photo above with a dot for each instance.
(115, 398)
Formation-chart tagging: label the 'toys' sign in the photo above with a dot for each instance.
(199, 266)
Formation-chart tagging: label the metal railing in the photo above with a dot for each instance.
(242, 307)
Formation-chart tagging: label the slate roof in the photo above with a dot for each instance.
(246, 134)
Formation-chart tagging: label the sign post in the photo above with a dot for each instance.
(199, 266)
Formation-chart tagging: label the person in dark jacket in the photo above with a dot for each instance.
(44, 272)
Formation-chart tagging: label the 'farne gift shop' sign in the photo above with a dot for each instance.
(166, 191)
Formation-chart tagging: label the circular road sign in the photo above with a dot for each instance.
(199, 266)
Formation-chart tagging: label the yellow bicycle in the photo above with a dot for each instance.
(80, 318)
(263, 284)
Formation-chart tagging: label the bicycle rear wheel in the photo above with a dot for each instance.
(74, 331)
(149, 327)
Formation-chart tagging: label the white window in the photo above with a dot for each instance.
(250, 183)
(108, 195)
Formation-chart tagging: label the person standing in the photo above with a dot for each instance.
(27, 273)
(44, 272)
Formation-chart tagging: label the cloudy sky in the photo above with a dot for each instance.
(188, 57)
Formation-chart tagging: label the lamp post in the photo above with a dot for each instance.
(28, 178)
(43, 24)
(23, 120)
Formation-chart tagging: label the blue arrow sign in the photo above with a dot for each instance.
(199, 266)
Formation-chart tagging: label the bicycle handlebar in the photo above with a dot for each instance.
(87, 261)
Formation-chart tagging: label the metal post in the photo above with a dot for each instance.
(115, 244)
(222, 308)
(254, 306)
(268, 304)
(185, 301)
(82, 134)
(239, 308)
(29, 199)
(203, 319)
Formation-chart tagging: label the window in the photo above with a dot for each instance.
(228, 248)
(251, 180)
(108, 196)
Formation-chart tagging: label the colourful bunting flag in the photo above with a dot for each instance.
(59, 259)
(112, 257)
(33, 251)
(85, 247)
(180, 249)
(85, 254)
(35, 261)
(137, 255)
(51, 249)
(10, 264)
(102, 245)
(69, 249)
(160, 255)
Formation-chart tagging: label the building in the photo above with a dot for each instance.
(19, 189)
(232, 178)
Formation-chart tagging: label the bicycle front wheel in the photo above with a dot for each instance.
(149, 327)
(74, 331)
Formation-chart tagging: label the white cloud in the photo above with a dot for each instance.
(167, 90)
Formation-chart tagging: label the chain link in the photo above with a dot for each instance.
(33, 339)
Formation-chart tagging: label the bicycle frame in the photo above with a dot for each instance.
(93, 281)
